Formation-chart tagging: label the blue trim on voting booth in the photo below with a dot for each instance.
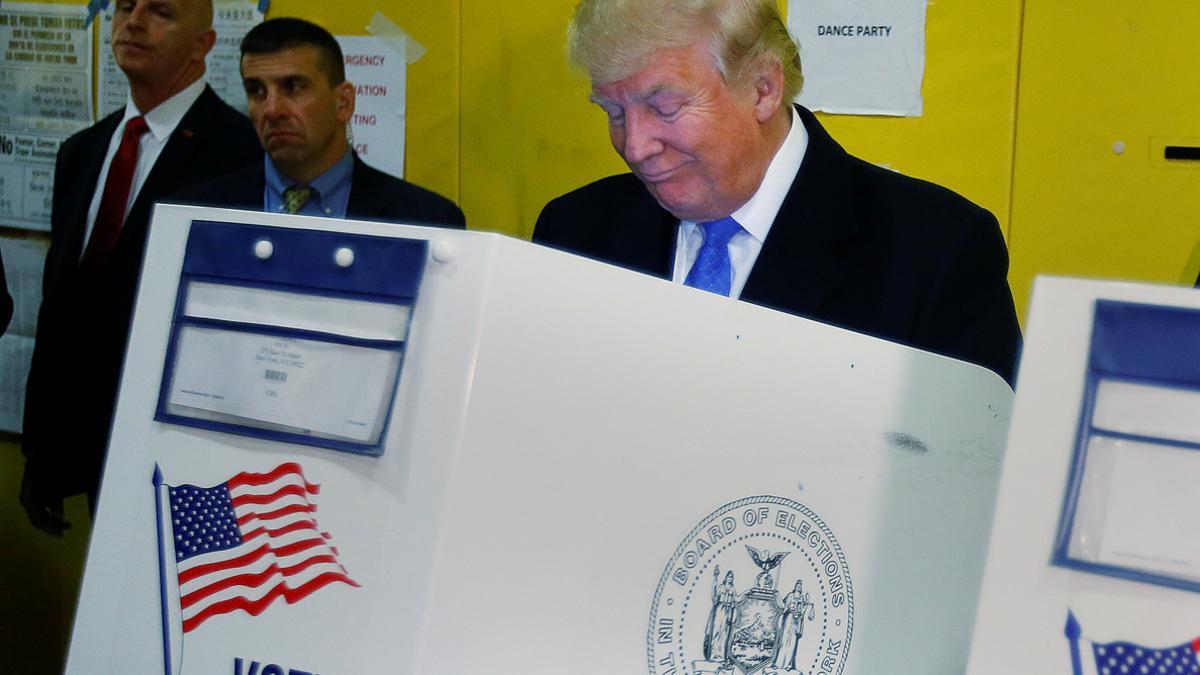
(162, 570)
(306, 290)
(386, 270)
(1135, 343)
(366, 449)
(383, 266)
(1066, 522)
(293, 333)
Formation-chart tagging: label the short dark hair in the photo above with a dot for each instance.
(274, 35)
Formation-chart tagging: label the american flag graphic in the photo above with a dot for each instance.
(247, 542)
(1127, 658)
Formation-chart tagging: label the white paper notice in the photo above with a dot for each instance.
(232, 19)
(45, 74)
(860, 57)
(378, 70)
(23, 263)
(1153, 516)
(301, 386)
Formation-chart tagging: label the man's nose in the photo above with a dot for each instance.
(272, 103)
(137, 16)
(640, 141)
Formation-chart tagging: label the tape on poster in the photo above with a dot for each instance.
(394, 36)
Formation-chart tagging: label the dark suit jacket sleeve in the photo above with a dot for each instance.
(6, 303)
(549, 226)
(969, 313)
(376, 195)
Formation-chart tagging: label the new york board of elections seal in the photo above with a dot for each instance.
(759, 587)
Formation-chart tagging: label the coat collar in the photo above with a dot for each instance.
(802, 260)
(366, 200)
(177, 155)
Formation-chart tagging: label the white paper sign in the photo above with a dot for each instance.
(298, 386)
(45, 66)
(1153, 516)
(378, 72)
(860, 57)
(232, 19)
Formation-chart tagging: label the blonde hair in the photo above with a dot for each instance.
(612, 39)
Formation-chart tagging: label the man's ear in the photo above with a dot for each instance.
(768, 89)
(344, 96)
(204, 45)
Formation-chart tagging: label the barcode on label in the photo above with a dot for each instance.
(276, 376)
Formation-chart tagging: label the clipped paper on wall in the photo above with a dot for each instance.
(378, 68)
(862, 57)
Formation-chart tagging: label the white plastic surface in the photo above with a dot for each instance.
(561, 426)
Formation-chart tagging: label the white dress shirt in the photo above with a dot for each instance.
(162, 121)
(755, 216)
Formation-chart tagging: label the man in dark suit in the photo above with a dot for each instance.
(736, 191)
(174, 131)
(300, 102)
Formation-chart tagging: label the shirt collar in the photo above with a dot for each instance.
(328, 182)
(325, 184)
(164, 117)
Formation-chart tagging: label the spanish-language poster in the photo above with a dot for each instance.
(860, 57)
(45, 66)
(232, 19)
(378, 69)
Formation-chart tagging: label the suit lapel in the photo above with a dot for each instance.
(247, 190)
(645, 234)
(651, 242)
(802, 260)
(90, 161)
(176, 158)
(366, 200)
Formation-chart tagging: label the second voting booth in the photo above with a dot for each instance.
(1094, 560)
(350, 447)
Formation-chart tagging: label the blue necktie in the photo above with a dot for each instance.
(712, 272)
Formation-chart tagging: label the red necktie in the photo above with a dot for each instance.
(111, 214)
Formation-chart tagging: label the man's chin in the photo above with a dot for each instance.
(135, 67)
(681, 207)
(282, 152)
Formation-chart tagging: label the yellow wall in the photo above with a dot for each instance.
(39, 577)
(1093, 74)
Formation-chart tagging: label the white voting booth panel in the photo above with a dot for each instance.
(1039, 617)
(586, 470)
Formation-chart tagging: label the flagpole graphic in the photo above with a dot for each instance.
(162, 570)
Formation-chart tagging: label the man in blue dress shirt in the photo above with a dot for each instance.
(300, 102)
